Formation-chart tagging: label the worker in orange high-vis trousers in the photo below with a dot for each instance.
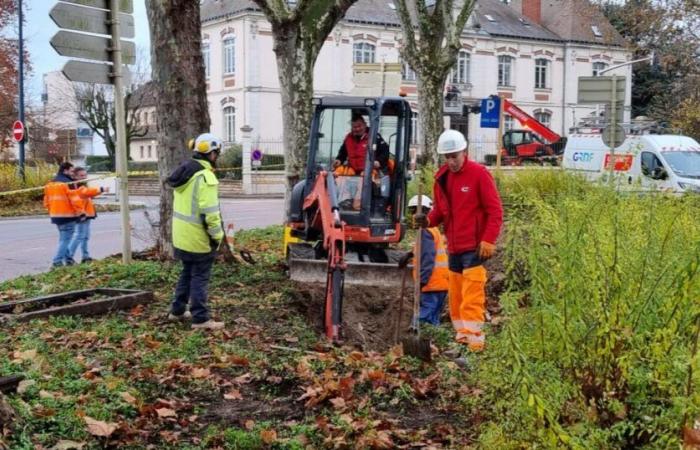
(65, 210)
(433, 273)
(467, 204)
(82, 229)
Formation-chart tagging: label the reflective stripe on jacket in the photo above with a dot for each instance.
(197, 224)
(434, 271)
(62, 202)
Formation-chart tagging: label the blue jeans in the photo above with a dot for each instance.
(431, 306)
(65, 235)
(193, 285)
(81, 237)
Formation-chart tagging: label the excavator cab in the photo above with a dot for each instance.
(349, 214)
(370, 200)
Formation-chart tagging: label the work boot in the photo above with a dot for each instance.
(182, 317)
(208, 325)
(86, 260)
(56, 265)
(70, 262)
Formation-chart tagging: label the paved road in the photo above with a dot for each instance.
(27, 245)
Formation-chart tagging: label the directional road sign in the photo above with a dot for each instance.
(88, 72)
(84, 46)
(89, 20)
(490, 112)
(18, 131)
(599, 89)
(125, 6)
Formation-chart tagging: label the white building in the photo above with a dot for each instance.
(59, 113)
(518, 49)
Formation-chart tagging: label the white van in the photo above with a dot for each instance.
(652, 161)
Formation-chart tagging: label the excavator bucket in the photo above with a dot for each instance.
(305, 267)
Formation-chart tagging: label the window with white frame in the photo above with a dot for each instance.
(460, 74)
(598, 67)
(363, 53)
(206, 58)
(507, 122)
(544, 117)
(407, 74)
(230, 124)
(505, 70)
(541, 73)
(229, 55)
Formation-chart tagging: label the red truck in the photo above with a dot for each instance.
(536, 143)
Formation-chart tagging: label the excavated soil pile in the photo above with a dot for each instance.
(370, 313)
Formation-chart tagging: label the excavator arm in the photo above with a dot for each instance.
(322, 213)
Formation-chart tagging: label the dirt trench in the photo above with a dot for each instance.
(370, 313)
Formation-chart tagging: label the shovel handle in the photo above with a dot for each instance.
(417, 263)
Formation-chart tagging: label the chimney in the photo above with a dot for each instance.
(532, 9)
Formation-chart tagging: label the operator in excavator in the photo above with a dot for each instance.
(467, 204)
(351, 156)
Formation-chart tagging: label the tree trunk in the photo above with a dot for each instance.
(295, 68)
(181, 98)
(430, 104)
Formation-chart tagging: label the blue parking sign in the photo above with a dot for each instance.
(490, 112)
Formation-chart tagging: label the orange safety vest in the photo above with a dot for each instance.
(440, 278)
(85, 194)
(61, 201)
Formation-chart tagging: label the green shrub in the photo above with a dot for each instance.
(599, 347)
(97, 163)
(37, 174)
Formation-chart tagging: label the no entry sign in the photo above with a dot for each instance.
(18, 131)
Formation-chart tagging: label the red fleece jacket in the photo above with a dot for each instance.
(468, 205)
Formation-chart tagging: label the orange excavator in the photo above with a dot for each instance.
(344, 222)
(535, 143)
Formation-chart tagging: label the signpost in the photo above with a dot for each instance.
(112, 20)
(490, 109)
(609, 91)
(18, 131)
(256, 157)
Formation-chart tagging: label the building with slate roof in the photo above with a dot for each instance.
(530, 51)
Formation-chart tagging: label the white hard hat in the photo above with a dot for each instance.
(426, 202)
(451, 141)
(207, 143)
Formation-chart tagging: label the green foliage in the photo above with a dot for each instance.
(97, 163)
(602, 321)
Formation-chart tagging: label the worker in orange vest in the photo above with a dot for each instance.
(82, 229)
(434, 272)
(65, 210)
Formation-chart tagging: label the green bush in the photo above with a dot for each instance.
(599, 346)
(37, 174)
(143, 166)
(97, 163)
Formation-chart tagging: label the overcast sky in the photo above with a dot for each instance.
(39, 28)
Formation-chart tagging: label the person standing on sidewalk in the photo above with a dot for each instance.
(65, 210)
(467, 204)
(82, 229)
(197, 230)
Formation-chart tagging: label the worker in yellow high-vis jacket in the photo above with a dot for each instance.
(197, 230)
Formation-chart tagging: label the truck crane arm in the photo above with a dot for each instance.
(530, 122)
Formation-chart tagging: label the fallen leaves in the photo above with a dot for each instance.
(165, 412)
(130, 399)
(199, 373)
(268, 436)
(27, 355)
(99, 428)
(233, 394)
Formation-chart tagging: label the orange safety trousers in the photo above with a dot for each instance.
(467, 292)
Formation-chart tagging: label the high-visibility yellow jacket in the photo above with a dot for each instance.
(197, 224)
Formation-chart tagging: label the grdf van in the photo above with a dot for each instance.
(652, 161)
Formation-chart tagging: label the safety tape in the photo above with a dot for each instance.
(129, 174)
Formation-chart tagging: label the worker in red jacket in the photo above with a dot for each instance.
(353, 152)
(467, 204)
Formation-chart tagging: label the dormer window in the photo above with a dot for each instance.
(596, 31)
(489, 17)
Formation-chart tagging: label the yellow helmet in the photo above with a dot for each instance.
(207, 143)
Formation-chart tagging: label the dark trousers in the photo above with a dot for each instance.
(193, 285)
(460, 261)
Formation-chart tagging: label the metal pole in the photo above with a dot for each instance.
(121, 134)
(21, 92)
(613, 126)
(499, 138)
